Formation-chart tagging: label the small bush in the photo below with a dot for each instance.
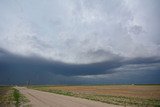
(16, 96)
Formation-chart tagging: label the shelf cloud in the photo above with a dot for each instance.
(80, 39)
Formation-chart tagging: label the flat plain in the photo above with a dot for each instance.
(126, 95)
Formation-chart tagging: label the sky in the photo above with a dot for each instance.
(80, 41)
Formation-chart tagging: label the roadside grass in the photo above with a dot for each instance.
(16, 96)
(6, 96)
(111, 99)
(19, 99)
(10, 97)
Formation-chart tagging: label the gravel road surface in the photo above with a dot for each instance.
(46, 99)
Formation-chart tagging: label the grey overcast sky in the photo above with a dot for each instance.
(79, 41)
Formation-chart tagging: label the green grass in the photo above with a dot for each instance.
(117, 100)
(16, 96)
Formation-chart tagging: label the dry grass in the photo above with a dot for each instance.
(141, 95)
(10, 97)
(6, 96)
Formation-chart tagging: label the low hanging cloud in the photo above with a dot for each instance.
(17, 69)
(15, 63)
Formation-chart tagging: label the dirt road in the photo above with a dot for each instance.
(46, 99)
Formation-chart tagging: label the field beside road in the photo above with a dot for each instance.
(136, 95)
(10, 97)
(6, 98)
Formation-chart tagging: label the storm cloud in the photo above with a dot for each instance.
(19, 69)
(10, 62)
(75, 40)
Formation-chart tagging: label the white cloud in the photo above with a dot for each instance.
(80, 31)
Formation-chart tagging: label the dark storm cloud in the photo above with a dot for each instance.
(144, 60)
(9, 62)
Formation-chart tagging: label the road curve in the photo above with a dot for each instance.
(46, 99)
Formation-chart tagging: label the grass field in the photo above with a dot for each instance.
(136, 95)
(10, 97)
